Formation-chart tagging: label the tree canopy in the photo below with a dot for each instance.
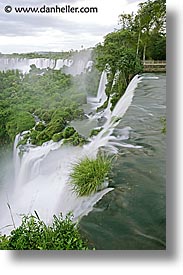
(140, 36)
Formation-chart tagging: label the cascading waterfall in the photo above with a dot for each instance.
(42, 175)
(101, 95)
(105, 137)
(23, 64)
(99, 100)
(16, 157)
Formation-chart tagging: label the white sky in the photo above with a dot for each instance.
(57, 32)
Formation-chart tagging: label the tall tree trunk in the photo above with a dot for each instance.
(138, 45)
(144, 52)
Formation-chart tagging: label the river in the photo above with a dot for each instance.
(133, 215)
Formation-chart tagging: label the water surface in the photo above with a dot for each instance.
(133, 215)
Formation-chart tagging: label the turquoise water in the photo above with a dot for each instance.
(133, 215)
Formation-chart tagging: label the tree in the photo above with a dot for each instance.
(150, 19)
(118, 57)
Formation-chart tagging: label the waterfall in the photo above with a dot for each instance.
(23, 64)
(89, 66)
(105, 138)
(101, 95)
(100, 99)
(16, 157)
(42, 176)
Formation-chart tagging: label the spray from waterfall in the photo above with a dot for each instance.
(105, 138)
(42, 174)
(78, 63)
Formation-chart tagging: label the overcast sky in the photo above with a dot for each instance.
(58, 31)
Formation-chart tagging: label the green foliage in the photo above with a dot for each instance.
(40, 126)
(34, 234)
(18, 123)
(163, 121)
(142, 35)
(88, 175)
(95, 131)
(54, 127)
(75, 140)
(70, 136)
(119, 53)
(24, 140)
(150, 21)
(50, 55)
(4, 242)
(51, 96)
(57, 137)
(68, 132)
(156, 49)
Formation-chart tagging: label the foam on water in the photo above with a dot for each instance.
(42, 173)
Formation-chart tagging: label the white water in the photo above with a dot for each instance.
(105, 138)
(42, 175)
(101, 95)
(23, 64)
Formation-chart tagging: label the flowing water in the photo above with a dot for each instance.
(131, 215)
(75, 66)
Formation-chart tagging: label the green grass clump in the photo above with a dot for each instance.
(163, 121)
(88, 175)
(34, 234)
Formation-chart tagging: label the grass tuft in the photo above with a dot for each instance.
(88, 176)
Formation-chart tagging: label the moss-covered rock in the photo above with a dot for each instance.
(75, 140)
(57, 137)
(95, 131)
(24, 140)
(55, 126)
(41, 138)
(68, 132)
(40, 126)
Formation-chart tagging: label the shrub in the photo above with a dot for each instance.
(33, 136)
(55, 126)
(40, 126)
(41, 138)
(46, 116)
(75, 140)
(68, 132)
(95, 131)
(34, 234)
(88, 175)
(57, 137)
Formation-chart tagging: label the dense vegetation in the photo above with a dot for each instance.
(31, 55)
(140, 36)
(34, 234)
(52, 96)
